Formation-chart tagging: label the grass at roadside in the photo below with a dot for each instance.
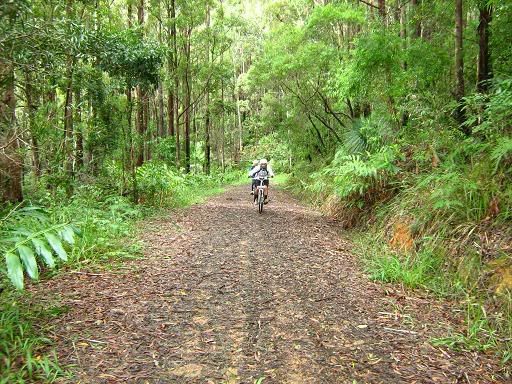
(23, 344)
(281, 179)
(196, 189)
(426, 269)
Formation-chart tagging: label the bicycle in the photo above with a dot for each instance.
(260, 190)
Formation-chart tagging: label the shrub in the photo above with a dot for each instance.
(156, 181)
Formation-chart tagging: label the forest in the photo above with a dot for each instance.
(391, 117)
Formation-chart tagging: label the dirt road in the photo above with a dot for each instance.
(226, 295)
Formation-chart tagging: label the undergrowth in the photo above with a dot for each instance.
(430, 212)
(162, 185)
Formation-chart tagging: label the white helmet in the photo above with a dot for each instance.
(263, 162)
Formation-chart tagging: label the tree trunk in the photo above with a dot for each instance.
(88, 151)
(130, 14)
(146, 135)
(11, 168)
(417, 22)
(459, 67)
(141, 93)
(68, 112)
(140, 12)
(171, 69)
(170, 113)
(160, 111)
(11, 171)
(459, 61)
(178, 140)
(186, 104)
(68, 126)
(51, 98)
(139, 122)
(176, 80)
(30, 109)
(207, 130)
(238, 119)
(207, 125)
(222, 134)
(403, 36)
(187, 124)
(36, 159)
(131, 146)
(79, 151)
(160, 117)
(484, 71)
(382, 8)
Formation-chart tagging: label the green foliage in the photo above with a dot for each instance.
(106, 220)
(29, 238)
(127, 54)
(376, 60)
(323, 19)
(447, 206)
(358, 108)
(272, 148)
(162, 185)
(157, 181)
(480, 335)
(454, 195)
(502, 153)
(489, 116)
(427, 66)
(23, 356)
(165, 150)
(358, 177)
(501, 26)
(195, 187)
(355, 141)
(368, 134)
(420, 270)
(430, 270)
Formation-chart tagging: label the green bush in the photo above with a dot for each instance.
(161, 185)
(157, 181)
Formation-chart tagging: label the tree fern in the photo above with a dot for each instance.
(502, 152)
(354, 140)
(354, 176)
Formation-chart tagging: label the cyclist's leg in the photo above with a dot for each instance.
(255, 186)
(266, 182)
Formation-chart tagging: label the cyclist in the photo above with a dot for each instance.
(254, 173)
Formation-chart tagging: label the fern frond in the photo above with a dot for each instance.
(502, 151)
(28, 238)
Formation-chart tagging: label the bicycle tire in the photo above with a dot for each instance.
(261, 199)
